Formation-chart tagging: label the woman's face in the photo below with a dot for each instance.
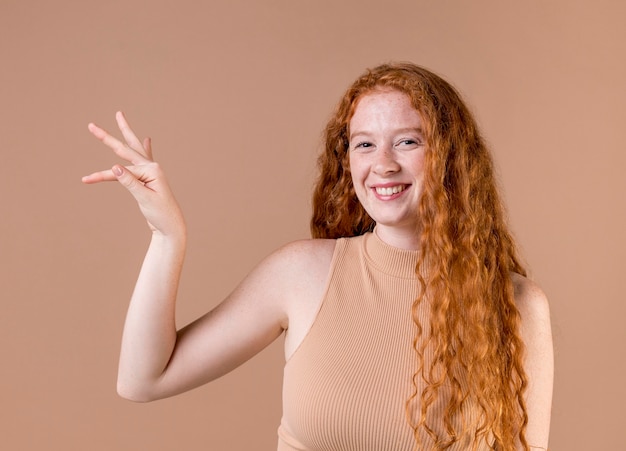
(386, 154)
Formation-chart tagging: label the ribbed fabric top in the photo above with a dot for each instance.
(347, 384)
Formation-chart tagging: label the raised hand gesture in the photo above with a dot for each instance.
(143, 178)
(156, 359)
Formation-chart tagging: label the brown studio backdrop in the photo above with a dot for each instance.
(235, 95)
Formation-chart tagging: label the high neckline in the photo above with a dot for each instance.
(389, 259)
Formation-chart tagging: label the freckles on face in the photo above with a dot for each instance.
(386, 157)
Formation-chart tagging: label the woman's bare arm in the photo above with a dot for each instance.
(539, 364)
(156, 360)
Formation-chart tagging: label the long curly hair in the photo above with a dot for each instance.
(464, 269)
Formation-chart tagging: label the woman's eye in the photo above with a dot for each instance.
(409, 143)
(363, 145)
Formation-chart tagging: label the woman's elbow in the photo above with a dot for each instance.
(132, 392)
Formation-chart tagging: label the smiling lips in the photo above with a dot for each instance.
(389, 190)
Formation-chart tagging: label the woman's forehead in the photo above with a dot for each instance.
(383, 96)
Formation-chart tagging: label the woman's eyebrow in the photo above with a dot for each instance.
(417, 130)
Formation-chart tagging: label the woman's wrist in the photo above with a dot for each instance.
(177, 240)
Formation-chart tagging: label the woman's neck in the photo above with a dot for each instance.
(398, 237)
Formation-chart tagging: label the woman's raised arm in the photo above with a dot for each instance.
(150, 328)
(156, 360)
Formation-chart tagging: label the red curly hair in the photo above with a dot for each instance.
(466, 259)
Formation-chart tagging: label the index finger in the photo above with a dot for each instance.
(120, 149)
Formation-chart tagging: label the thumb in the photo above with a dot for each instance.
(127, 179)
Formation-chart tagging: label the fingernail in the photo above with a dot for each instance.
(117, 171)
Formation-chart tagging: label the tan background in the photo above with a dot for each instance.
(234, 95)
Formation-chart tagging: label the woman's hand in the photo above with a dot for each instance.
(143, 178)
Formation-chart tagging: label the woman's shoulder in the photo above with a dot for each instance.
(535, 324)
(307, 250)
(304, 267)
(530, 299)
(303, 258)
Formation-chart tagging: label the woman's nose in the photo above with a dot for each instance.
(385, 162)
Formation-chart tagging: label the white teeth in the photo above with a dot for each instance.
(388, 191)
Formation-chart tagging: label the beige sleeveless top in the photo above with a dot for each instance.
(346, 386)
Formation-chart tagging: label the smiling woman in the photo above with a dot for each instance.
(387, 164)
(409, 321)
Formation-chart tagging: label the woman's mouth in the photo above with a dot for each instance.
(389, 190)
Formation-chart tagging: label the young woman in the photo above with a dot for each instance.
(409, 321)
